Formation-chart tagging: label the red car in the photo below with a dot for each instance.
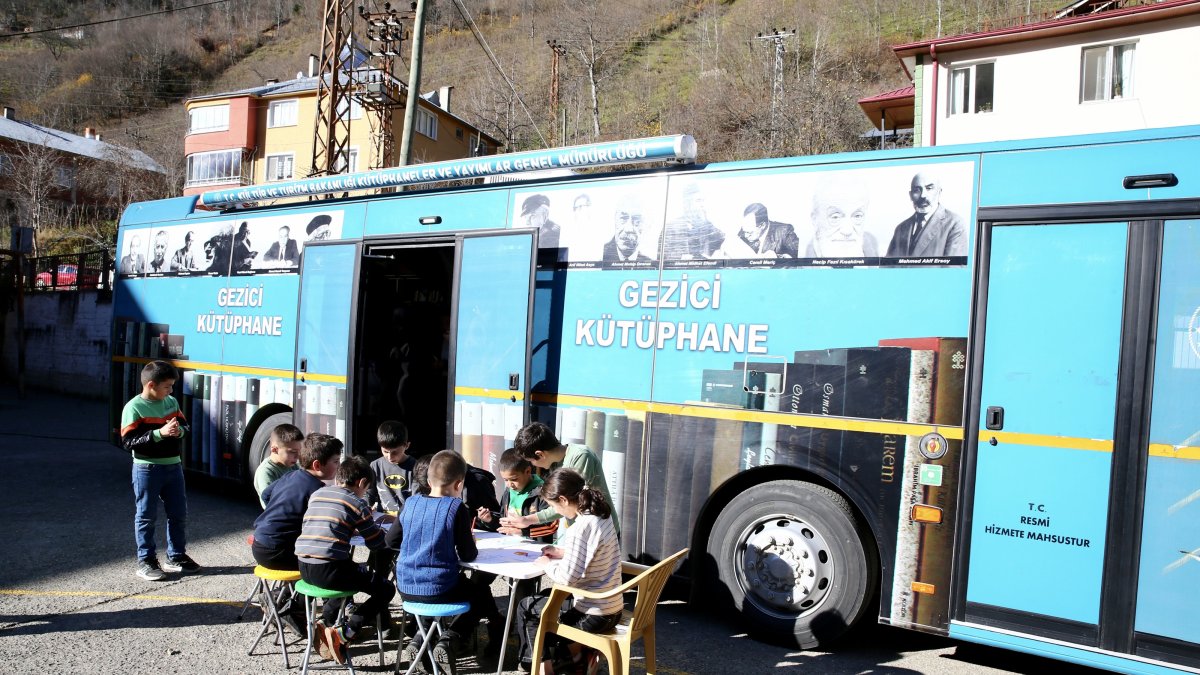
(68, 276)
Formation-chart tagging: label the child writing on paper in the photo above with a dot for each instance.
(588, 557)
(523, 497)
(432, 535)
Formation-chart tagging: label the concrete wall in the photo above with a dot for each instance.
(67, 336)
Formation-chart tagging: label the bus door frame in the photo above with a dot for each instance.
(1118, 593)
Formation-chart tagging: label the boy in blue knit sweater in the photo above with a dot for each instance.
(432, 535)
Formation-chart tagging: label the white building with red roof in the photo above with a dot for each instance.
(1091, 67)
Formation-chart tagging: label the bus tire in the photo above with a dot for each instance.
(260, 446)
(775, 533)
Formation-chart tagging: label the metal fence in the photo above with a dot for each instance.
(69, 271)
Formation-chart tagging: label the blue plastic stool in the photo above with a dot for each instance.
(425, 612)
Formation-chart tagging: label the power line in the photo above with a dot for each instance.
(496, 62)
(120, 18)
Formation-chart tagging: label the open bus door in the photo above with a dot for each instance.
(492, 332)
(328, 280)
(1085, 456)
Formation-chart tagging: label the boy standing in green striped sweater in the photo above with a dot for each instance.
(152, 428)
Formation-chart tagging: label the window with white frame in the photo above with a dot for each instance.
(283, 113)
(355, 107)
(344, 166)
(219, 166)
(1107, 72)
(972, 88)
(208, 118)
(427, 123)
(280, 167)
(64, 177)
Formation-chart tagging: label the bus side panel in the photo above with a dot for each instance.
(460, 211)
(1170, 553)
(1086, 174)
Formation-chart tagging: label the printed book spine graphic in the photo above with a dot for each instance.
(877, 388)
(612, 459)
(559, 431)
(755, 388)
(328, 408)
(155, 341)
(575, 421)
(253, 396)
(266, 393)
(198, 418)
(457, 424)
(299, 414)
(212, 443)
(827, 386)
(656, 458)
(240, 387)
(284, 394)
(339, 425)
(472, 432)
(767, 454)
(493, 439)
(937, 541)
(312, 409)
(594, 433)
(630, 496)
(185, 408)
(908, 533)
(726, 451)
(228, 434)
(699, 457)
(514, 417)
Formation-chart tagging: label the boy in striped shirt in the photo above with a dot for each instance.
(334, 515)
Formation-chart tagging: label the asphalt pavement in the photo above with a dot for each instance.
(70, 603)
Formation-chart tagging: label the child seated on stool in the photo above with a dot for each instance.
(588, 557)
(334, 514)
(432, 535)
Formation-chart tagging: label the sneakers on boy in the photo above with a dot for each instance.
(444, 656)
(408, 656)
(180, 563)
(336, 644)
(149, 570)
(322, 643)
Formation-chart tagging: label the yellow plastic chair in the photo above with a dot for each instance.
(617, 645)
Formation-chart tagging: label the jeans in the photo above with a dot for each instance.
(152, 482)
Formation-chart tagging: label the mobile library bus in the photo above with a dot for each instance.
(956, 379)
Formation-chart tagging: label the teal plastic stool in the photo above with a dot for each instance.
(311, 593)
(428, 634)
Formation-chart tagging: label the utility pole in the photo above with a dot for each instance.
(778, 38)
(331, 143)
(557, 52)
(414, 84)
(379, 92)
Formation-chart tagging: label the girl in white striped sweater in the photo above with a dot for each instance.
(588, 557)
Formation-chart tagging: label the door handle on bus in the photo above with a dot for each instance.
(994, 420)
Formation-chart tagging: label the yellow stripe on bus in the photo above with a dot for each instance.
(238, 370)
(483, 392)
(743, 415)
(1045, 440)
(1175, 451)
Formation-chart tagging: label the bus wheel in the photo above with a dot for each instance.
(794, 561)
(260, 447)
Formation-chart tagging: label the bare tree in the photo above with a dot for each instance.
(33, 181)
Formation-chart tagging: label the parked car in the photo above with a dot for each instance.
(68, 276)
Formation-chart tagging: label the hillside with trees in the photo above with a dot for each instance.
(627, 67)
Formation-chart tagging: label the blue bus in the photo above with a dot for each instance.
(950, 387)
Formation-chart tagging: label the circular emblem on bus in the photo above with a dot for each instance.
(933, 445)
(1194, 332)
